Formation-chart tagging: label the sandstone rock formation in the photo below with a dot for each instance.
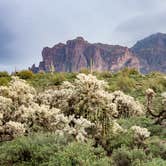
(146, 55)
(78, 54)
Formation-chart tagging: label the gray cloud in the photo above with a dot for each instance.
(139, 27)
(26, 26)
(6, 39)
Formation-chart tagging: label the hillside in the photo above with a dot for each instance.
(151, 52)
(146, 55)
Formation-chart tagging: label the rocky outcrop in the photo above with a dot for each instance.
(78, 54)
(146, 55)
(151, 53)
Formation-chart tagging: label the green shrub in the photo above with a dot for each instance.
(25, 74)
(57, 79)
(116, 141)
(155, 162)
(4, 81)
(85, 71)
(129, 157)
(4, 74)
(157, 147)
(80, 154)
(31, 150)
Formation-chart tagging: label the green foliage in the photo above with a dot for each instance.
(4, 74)
(57, 79)
(48, 149)
(129, 157)
(4, 81)
(43, 80)
(119, 149)
(116, 141)
(25, 74)
(85, 71)
(155, 162)
(32, 150)
(80, 154)
(157, 147)
(143, 122)
(4, 78)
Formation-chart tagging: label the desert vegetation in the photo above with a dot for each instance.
(85, 118)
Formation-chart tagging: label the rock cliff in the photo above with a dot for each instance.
(146, 55)
(78, 54)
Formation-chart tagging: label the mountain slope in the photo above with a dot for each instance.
(151, 52)
(78, 54)
(146, 55)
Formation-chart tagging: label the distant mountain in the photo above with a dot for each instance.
(151, 52)
(146, 55)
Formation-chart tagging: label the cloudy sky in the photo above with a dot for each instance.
(26, 26)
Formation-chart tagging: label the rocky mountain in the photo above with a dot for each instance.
(151, 53)
(78, 54)
(146, 55)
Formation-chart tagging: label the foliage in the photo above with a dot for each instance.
(25, 74)
(83, 119)
(129, 157)
(32, 150)
(81, 154)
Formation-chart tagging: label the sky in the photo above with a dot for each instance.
(26, 26)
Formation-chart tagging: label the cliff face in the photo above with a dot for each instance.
(151, 53)
(146, 55)
(78, 54)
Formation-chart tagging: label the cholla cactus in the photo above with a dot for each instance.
(126, 105)
(164, 99)
(150, 95)
(55, 99)
(5, 109)
(56, 110)
(116, 128)
(161, 116)
(87, 97)
(11, 130)
(75, 127)
(140, 134)
(19, 112)
(5, 104)
(19, 92)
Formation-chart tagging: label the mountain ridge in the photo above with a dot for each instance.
(148, 54)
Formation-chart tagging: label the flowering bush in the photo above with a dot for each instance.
(19, 92)
(56, 110)
(87, 97)
(126, 105)
(140, 134)
(19, 113)
(11, 130)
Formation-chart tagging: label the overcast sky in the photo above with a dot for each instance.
(26, 26)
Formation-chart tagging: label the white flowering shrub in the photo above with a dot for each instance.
(11, 130)
(140, 134)
(19, 113)
(55, 110)
(87, 97)
(126, 105)
(116, 128)
(164, 99)
(19, 92)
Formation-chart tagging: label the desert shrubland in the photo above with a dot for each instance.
(82, 111)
